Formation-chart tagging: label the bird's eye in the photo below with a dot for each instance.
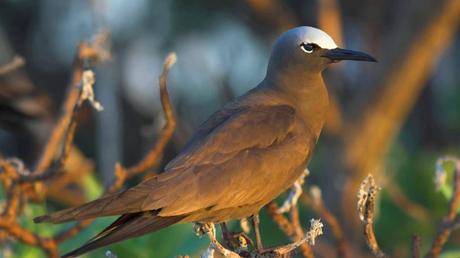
(308, 47)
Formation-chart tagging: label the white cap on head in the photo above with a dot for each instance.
(308, 34)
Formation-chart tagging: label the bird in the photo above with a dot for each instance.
(238, 160)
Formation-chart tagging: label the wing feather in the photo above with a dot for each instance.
(231, 143)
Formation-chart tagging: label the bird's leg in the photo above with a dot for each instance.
(200, 228)
(255, 224)
(226, 235)
(235, 241)
(294, 194)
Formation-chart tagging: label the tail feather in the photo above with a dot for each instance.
(126, 226)
(109, 205)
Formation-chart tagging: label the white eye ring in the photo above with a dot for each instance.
(304, 49)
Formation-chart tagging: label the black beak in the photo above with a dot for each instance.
(339, 54)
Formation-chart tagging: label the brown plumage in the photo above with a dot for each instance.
(240, 159)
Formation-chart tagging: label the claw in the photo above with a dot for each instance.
(201, 229)
(209, 229)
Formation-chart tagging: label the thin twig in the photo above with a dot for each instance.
(17, 62)
(122, 174)
(316, 229)
(59, 164)
(294, 193)
(299, 234)
(22, 185)
(282, 222)
(25, 236)
(84, 52)
(314, 200)
(287, 227)
(366, 207)
(152, 157)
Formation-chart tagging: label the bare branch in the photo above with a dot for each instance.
(122, 174)
(167, 132)
(315, 201)
(366, 206)
(17, 62)
(316, 229)
(25, 236)
(290, 229)
(84, 52)
(22, 185)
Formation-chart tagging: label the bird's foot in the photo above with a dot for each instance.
(239, 242)
(201, 229)
(255, 224)
(214, 246)
(236, 241)
(294, 193)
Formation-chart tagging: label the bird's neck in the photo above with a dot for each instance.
(306, 93)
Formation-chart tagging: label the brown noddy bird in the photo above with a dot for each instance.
(238, 160)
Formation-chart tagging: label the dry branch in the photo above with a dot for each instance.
(84, 52)
(290, 229)
(314, 200)
(299, 234)
(366, 207)
(122, 174)
(167, 132)
(152, 157)
(17, 62)
(22, 185)
(27, 237)
(316, 229)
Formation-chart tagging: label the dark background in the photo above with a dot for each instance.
(393, 119)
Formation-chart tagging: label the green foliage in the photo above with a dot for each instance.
(446, 168)
(451, 254)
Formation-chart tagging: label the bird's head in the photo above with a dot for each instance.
(310, 50)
